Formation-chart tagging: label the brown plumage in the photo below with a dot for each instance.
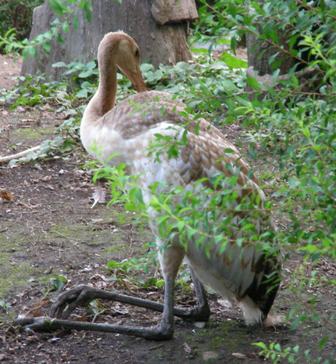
(124, 133)
(136, 120)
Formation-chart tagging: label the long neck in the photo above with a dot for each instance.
(104, 98)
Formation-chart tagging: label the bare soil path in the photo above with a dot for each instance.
(48, 229)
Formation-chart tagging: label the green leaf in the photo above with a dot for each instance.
(180, 225)
(86, 74)
(113, 264)
(82, 94)
(85, 5)
(75, 22)
(57, 7)
(46, 46)
(233, 61)
(260, 345)
(228, 85)
(310, 248)
(200, 50)
(306, 132)
(58, 65)
(253, 83)
(29, 51)
(58, 282)
(135, 195)
(277, 347)
(65, 27)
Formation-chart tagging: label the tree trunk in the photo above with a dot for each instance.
(158, 43)
(172, 11)
(259, 53)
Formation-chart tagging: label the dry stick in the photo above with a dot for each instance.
(8, 158)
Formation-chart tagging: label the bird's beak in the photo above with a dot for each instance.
(135, 76)
(139, 83)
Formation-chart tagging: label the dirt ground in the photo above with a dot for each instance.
(48, 228)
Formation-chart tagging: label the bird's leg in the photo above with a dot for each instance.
(202, 310)
(81, 295)
(166, 326)
(164, 330)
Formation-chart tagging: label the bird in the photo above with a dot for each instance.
(124, 133)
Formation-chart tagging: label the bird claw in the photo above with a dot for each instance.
(67, 301)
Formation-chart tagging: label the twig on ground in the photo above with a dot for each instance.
(10, 157)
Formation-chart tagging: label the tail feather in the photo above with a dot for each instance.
(251, 312)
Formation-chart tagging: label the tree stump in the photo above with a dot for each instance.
(165, 44)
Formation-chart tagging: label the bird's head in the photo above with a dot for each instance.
(122, 49)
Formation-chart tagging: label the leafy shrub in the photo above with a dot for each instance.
(298, 134)
(17, 14)
(13, 38)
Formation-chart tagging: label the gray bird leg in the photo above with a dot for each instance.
(201, 312)
(82, 295)
(163, 331)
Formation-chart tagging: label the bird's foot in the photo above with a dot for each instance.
(163, 331)
(199, 313)
(67, 301)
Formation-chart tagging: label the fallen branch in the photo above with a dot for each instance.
(10, 157)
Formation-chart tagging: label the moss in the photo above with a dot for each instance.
(31, 134)
(109, 239)
(13, 273)
(227, 335)
(14, 276)
(74, 232)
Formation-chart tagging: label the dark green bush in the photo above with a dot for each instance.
(17, 14)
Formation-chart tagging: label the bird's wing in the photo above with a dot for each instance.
(204, 153)
(208, 153)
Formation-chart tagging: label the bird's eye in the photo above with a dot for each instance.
(137, 53)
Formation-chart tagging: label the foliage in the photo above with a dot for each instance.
(4, 306)
(28, 48)
(34, 91)
(9, 43)
(299, 133)
(307, 28)
(57, 283)
(131, 268)
(292, 128)
(301, 138)
(195, 216)
(66, 16)
(276, 353)
(16, 14)
(206, 86)
(83, 77)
